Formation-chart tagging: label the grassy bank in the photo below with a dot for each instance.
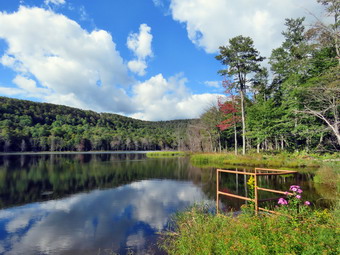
(304, 231)
(199, 232)
(259, 160)
(166, 154)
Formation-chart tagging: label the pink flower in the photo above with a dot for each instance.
(286, 193)
(307, 203)
(294, 187)
(282, 201)
(298, 196)
(299, 191)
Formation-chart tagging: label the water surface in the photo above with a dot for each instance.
(107, 202)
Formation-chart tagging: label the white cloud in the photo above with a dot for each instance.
(211, 23)
(9, 91)
(30, 86)
(67, 61)
(56, 2)
(57, 61)
(214, 84)
(162, 99)
(140, 45)
(137, 66)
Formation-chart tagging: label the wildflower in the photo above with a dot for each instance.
(294, 187)
(299, 191)
(298, 196)
(282, 201)
(307, 203)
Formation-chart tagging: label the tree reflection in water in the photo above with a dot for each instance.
(83, 203)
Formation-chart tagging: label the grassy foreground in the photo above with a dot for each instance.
(199, 232)
(304, 231)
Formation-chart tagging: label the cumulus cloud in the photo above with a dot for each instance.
(168, 99)
(29, 87)
(137, 66)
(140, 45)
(57, 61)
(211, 23)
(66, 62)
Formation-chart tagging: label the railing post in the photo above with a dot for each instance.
(255, 194)
(217, 189)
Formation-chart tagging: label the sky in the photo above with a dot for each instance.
(146, 59)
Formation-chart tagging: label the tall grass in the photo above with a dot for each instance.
(254, 160)
(327, 174)
(198, 232)
(308, 231)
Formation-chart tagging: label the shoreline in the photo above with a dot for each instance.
(71, 152)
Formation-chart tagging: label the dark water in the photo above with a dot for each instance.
(106, 203)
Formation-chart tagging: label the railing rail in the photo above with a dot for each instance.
(255, 174)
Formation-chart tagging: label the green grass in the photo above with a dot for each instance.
(198, 232)
(254, 160)
(328, 175)
(166, 154)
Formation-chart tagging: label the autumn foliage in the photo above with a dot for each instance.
(229, 109)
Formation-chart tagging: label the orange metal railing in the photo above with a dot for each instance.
(255, 174)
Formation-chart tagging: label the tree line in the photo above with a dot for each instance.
(293, 104)
(31, 126)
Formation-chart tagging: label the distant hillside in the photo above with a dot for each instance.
(31, 126)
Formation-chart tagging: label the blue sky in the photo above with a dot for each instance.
(148, 59)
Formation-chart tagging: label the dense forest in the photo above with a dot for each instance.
(290, 103)
(31, 126)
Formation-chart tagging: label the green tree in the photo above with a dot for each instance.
(242, 60)
(322, 100)
(329, 34)
(209, 122)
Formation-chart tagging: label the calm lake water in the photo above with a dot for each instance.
(107, 202)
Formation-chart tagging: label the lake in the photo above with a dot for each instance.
(107, 203)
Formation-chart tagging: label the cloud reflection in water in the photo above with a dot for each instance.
(127, 216)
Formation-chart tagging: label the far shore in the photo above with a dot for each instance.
(69, 152)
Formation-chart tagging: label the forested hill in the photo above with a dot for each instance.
(31, 126)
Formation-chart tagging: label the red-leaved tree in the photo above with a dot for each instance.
(230, 110)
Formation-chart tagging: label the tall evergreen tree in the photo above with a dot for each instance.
(241, 60)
